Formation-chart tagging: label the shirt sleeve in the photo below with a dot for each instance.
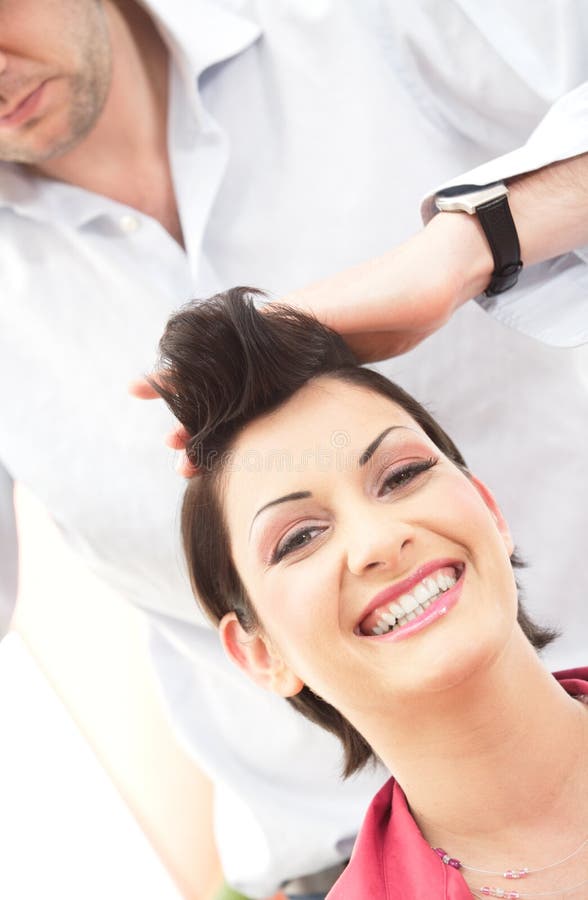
(8, 551)
(550, 301)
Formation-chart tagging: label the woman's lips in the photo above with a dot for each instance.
(25, 109)
(394, 591)
(436, 609)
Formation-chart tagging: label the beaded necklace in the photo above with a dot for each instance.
(522, 895)
(510, 874)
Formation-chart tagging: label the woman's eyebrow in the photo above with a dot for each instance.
(297, 495)
(371, 449)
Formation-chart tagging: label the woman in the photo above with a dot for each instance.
(354, 566)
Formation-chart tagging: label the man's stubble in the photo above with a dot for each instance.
(48, 136)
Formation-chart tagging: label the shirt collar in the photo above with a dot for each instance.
(199, 34)
(203, 32)
(46, 199)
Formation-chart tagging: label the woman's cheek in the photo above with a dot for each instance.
(305, 603)
(461, 510)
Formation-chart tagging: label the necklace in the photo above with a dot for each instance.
(522, 895)
(510, 873)
(506, 893)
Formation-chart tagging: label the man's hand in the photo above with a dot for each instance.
(387, 305)
(177, 438)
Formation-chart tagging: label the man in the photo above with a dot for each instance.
(158, 152)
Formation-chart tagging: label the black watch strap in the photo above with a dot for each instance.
(496, 220)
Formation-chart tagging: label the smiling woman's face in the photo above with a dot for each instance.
(343, 518)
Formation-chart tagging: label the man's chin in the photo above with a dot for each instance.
(34, 149)
(28, 156)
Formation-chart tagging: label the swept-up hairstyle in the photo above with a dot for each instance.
(224, 363)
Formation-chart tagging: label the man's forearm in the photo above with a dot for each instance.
(389, 304)
(550, 209)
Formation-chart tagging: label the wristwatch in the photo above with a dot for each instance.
(490, 204)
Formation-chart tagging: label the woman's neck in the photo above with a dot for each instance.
(494, 765)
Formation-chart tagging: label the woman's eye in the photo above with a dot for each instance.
(405, 474)
(295, 541)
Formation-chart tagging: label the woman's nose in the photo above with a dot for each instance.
(3, 61)
(377, 541)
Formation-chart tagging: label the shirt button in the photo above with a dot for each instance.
(128, 224)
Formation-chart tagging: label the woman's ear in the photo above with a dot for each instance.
(255, 655)
(490, 501)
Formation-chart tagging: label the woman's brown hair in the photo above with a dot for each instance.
(224, 363)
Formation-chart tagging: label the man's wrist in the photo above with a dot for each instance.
(489, 203)
(458, 243)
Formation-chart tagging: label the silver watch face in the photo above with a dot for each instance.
(467, 197)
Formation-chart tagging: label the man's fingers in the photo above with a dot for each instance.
(141, 388)
(184, 466)
(178, 438)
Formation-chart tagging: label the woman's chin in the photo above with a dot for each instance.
(466, 652)
(455, 665)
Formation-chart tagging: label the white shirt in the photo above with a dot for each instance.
(302, 137)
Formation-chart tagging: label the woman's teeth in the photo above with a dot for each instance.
(409, 606)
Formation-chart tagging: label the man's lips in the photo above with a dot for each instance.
(394, 591)
(24, 108)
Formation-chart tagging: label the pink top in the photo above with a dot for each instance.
(391, 859)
